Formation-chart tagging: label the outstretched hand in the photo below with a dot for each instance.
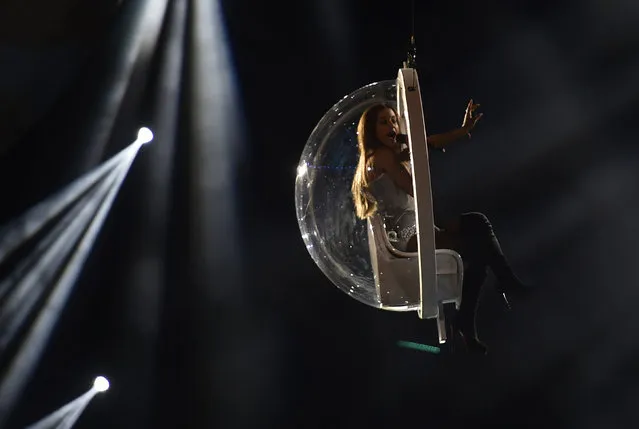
(471, 118)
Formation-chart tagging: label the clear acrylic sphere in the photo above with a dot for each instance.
(335, 238)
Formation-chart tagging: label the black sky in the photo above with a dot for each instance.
(553, 163)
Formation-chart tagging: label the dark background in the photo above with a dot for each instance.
(241, 329)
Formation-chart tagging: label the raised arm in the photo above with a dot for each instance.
(470, 120)
(439, 141)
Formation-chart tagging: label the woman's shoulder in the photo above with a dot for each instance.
(383, 155)
(383, 159)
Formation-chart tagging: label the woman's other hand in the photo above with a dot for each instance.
(404, 155)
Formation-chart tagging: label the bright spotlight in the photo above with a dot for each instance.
(145, 135)
(101, 384)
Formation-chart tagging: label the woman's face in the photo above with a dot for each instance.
(387, 128)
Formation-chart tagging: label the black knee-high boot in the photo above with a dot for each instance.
(474, 277)
(481, 242)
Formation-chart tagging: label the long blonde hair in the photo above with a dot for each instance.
(367, 142)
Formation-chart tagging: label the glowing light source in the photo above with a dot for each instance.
(302, 169)
(101, 384)
(145, 135)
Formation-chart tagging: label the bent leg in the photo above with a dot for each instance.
(474, 277)
(480, 243)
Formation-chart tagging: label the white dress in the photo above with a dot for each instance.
(397, 208)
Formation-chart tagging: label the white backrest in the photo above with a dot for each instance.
(396, 273)
(409, 104)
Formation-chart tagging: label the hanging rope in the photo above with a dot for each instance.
(411, 61)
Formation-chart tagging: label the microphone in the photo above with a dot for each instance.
(399, 138)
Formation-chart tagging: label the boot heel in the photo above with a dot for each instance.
(506, 301)
(473, 345)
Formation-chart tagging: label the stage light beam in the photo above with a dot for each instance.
(22, 365)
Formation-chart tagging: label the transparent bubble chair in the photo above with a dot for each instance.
(356, 255)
